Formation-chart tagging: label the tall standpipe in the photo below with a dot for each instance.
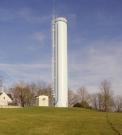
(60, 73)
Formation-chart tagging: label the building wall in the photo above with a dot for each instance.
(4, 99)
(42, 101)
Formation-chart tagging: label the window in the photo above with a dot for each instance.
(43, 99)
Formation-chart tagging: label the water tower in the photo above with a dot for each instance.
(60, 72)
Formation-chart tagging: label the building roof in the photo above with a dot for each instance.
(9, 95)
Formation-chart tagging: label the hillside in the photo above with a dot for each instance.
(59, 121)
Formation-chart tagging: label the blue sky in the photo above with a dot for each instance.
(94, 41)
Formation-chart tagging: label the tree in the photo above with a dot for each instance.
(22, 94)
(72, 98)
(97, 101)
(100, 101)
(118, 103)
(77, 105)
(84, 104)
(25, 94)
(83, 95)
(94, 101)
(105, 96)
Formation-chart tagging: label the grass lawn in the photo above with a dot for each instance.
(59, 121)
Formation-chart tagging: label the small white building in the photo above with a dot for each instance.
(5, 99)
(42, 100)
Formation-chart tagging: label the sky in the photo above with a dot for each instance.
(94, 41)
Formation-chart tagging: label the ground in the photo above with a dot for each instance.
(59, 121)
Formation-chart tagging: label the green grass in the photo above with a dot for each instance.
(58, 121)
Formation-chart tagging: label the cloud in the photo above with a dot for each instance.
(99, 60)
(88, 66)
(25, 72)
(39, 39)
(39, 36)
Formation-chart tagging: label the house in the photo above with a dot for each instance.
(5, 99)
(42, 100)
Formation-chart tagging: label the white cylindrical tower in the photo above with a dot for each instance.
(60, 62)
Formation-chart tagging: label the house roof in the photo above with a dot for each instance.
(9, 95)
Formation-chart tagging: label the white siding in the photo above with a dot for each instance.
(42, 101)
(4, 99)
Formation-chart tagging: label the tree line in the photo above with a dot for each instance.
(24, 94)
(103, 100)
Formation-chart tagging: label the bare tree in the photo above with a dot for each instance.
(83, 97)
(100, 101)
(94, 101)
(118, 103)
(22, 94)
(105, 96)
(25, 94)
(72, 98)
(97, 101)
(83, 94)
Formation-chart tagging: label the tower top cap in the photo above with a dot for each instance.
(61, 19)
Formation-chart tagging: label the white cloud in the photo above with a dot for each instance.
(26, 72)
(98, 61)
(39, 36)
(87, 66)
